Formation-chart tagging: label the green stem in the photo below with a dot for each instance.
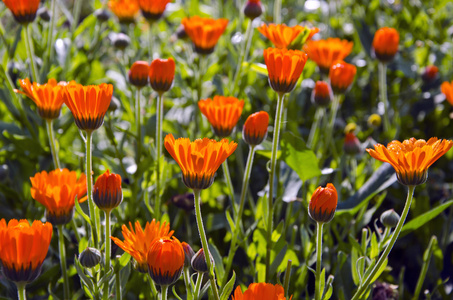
(160, 112)
(226, 173)
(64, 270)
(53, 148)
(244, 53)
(163, 292)
(314, 128)
(151, 41)
(277, 11)
(277, 123)
(199, 93)
(107, 253)
(383, 94)
(318, 291)
(118, 292)
(367, 281)
(74, 227)
(333, 116)
(138, 124)
(153, 288)
(287, 278)
(196, 294)
(187, 283)
(21, 290)
(89, 167)
(30, 52)
(51, 30)
(426, 258)
(204, 243)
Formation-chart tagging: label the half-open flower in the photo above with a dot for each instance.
(152, 10)
(138, 74)
(447, 90)
(204, 32)
(322, 94)
(165, 261)
(200, 159)
(341, 76)
(255, 128)
(323, 204)
(411, 158)
(283, 36)
(107, 192)
(161, 74)
(262, 291)
(24, 11)
(385, 43)
(124, 10)
(325, 52)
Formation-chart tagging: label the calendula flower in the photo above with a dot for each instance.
(255, 128)
(341, 76)
(23, 248)
(325, 52)
(161, 74)
(57, 191)
(24, 11)
(200, 159)
(253, 9)
(107, 193)
(165, 261)
(138, 74)
(222, 112)
(447, 90)
(322, 94)
(284, 68)
(204, 32)
(47, 97)
(261, 291)
(411, 158)
(283, 36)
(138, 243)
(152, 10)
(385, 43)
(88, 104)
(323, 204)
(124, 10)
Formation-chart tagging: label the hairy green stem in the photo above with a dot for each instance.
(187, 283)
(196, 294)
(51, 30)
(160, 112)
(30, 52)
(314, 128)
(226, 173)
(244, 53)
(277, 11)
(118, 292)
(318, 291)
(287, 278)
(153, 288)
(21, 290)
(53, 148)
(163, 292)
(383, 94)
(74, 227)
(426, 258)
(139, 128)
(64, 271)
(92, 208)
(107, 253)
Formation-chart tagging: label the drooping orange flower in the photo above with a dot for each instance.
(341, 76)
(161, 74)
(88, 104)
(282, 36)
(255, 128)
(124, 10)
(57, 191)
(323, 204)
(200, 159)
(284, 68)
(222, 112)
(411, 158)
(204, 32)
(325, 52)
(24, 11)
(152, 10)
(253, 9)
(447, 90)
(322, 94)
(138, 243)
(165, 261)
(47, 97)
(138, 73)
(107, 193)
(385, 43)
(261, 291)
(23, 248)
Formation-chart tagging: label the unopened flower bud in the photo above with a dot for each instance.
(199, 262)
(323, 204)
(189, 253)
(430, 74)
(102, 15)
(390, 218)
(43, 14)
(90, 257)
(374, 121)
(107, 192)
(351, 144)
(255, 128)
(322, 94)
(184, 201)
(253, 9)
(138, 74)
(121, 41)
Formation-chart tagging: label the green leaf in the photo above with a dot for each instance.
(217, 260)
(323, 281)
(354, 259)
(374, 251)
(226, 292)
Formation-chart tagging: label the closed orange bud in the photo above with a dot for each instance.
(253, 9)
(124, 10)
(447, 90)
(165, 261)
(261, 291)
(341, 76)
(24, 11)
(161, 74)
(430, 74)
(152, 10)
(138, 74)
(204, 32)
(385, 43)
(351, 144)
(323, 204)
(107, 192)
(322, 94)
(255, 128)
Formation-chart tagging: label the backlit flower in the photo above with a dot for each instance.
(411, 158)
(323, 204)
(47, 97)
(161, 74)
(284, 68)
(23, 248)
(447, 90)
(204, 32)
(322, 94)
(255, 128)
(260, 291)
(24, 11)
(88, 104)
(283, 36)
(385, 43)
(341, 76)
(325, 52)
(57, 191)
(200, 159)
(107, 193)
(152, 10)
(138, 74)
(139, 242)
(124, 10)
(253, 9)
(165, 260)
(222, 112)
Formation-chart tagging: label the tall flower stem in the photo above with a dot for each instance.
(160, 112)
(270, 213)
(277, 11)
(187, 282)
(383, 94)
(196, 294)
(30, 52)
(118, 292)
(318, 291)
(138, 124)
(367, 281)
(21, 290)
(51, 30)
(199, 93)
(107, 253)
(333, 116)
(153, 287)
(204, 243)
(426, 258)
(91, 206)
(244, 53)
(226, 173)
(64, 271)
(53, 147)
(151, 40)
(163, 292)
(318, 115)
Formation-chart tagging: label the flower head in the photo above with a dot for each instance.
(198, 261)
(200, 159)
(47, 97)
(138, 73)
(284, 68)
(88, 104)
(24, 11)
(23, 248)
(325, 52)
(341, 76)
(57, 191)
(385, 43)
(351, 144)
(283, 36)
(139, 242)
(152, 10)
(222, 112)
(322, 94)
(411, 158)
(255, 128)
(430, 73)
(253, 9)
(161, 74)
(165, 260)
(261, 291)
(107, 193)
(124, 10)
(204, 32)
(189, 253)
(447, 89)
(323, 204)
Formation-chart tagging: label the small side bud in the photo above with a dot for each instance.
(390, 218)
(90, 257)
(199, 262)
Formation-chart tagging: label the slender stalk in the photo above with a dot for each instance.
(30, 52)
(287, 278)
(163, 292)
(196, 294)
(318, 291)
(151, 41)
(314, 127)
(204, 243)
(426, 258)
(51, 30)
(21, 290)
(367, 281)
(53, 148)
(139, 127)
(153, 288)
(187, 283)
(244, 54)
(107, 253)
(199, 93)
(333, 116)
(91, 206)
(226, 173)
(74, 227)
(383, 94)
(277, 123)
(277, 11)
(64, 271)
(160, 112)
(118, 292)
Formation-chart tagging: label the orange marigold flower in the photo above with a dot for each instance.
(48, 97)
(284, 68)
(124, 10)
(385, 43)
(24, 11)
(447, 90)
(322, 94)
(23, 248)
(161, 74)
(88, 104)
(139, 242)
(107, 193)
(283, 36)
(200, 159)
(325, 52)
(204, 32)
(152, 10)
(253, 9)
(138, 74)
(255, 128)
(165, 260)
(262, 291)
(323, 204)
(57, 191)
(341, 76)
(411, 158)
(222, 112)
